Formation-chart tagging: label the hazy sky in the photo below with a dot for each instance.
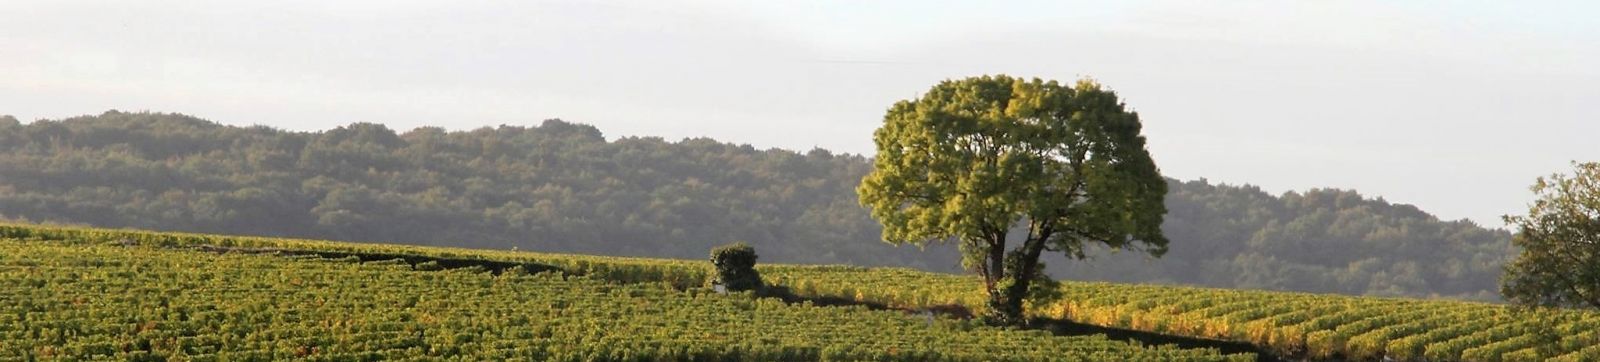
(1454, 106)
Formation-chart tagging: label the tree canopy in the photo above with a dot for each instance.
(564, 187)
(974, 158)
(1560, 241)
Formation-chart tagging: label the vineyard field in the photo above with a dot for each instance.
(1295, 325)
(1312, 326)
(76, 300)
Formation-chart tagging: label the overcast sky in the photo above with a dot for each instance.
(1453, 106)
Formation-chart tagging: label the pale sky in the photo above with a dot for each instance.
(1453, 106)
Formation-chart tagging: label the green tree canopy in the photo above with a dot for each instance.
(973, 158)
(1560, 240)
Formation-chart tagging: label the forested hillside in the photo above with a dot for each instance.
(562, 187)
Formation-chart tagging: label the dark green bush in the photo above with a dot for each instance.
(735, 267)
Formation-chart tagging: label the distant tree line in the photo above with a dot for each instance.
(562, 187)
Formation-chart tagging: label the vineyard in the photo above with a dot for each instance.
(78, 299)
(128, 295)
(1291, 324)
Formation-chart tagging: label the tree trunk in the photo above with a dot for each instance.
(1005, 302)
(1005, 305)
(992, 268)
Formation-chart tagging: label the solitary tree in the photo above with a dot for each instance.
(735, 266)
(976, 158)
(1560, 240)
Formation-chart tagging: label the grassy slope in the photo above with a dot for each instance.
(1301, 324)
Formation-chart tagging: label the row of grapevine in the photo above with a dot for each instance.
(77, 300)
(1291, 324)
(677, 273)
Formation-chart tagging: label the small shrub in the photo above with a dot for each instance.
(735, 267)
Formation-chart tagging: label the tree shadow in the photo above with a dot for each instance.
(491, 266)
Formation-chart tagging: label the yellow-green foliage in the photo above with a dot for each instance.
(1313, 325)
(91, 298)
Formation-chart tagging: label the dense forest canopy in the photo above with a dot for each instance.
(563, 187)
